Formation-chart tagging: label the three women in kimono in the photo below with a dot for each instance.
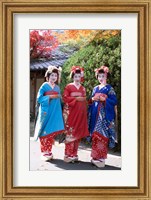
(101, 115)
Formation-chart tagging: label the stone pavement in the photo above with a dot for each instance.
(113, 162)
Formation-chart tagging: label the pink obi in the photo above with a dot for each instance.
(76, 94)
(50, 93)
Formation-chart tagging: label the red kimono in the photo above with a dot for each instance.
(75, 116)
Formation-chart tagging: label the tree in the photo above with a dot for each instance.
(42, 42)
(76, 38)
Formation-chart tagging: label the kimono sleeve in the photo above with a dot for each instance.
(83, 91)
(111, 99)
(67, 98)
(41, 99)
(111, 102)
(93, 92)
(92, 95)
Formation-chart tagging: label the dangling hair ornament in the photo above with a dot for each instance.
(78, 68)
(104, 68)
(52, 68)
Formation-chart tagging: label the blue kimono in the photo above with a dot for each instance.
(50, 119)
(101, 115)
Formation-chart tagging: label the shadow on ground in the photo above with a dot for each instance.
(80, 165)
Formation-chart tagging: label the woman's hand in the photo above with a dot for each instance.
(99, 98)
(102, 98)
(81, 98)
(95, 98)
(54, 96)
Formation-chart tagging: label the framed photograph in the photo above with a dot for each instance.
(22, 176)
(83, 50)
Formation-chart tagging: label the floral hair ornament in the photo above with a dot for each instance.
(104, 68)
(78, 68)
(51, 69)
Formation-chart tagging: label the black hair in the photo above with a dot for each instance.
(101, 71)
(78, 71)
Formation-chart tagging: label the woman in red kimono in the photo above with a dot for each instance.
(75, 114)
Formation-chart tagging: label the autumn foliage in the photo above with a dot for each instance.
(76, 37)
(42, 42)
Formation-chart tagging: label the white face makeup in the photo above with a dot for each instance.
(77, 78)
(53, 77)
(102, 78)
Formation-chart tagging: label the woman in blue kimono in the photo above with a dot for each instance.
(102, 118)
(50, 119)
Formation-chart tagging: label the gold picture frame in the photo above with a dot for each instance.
(8, 8)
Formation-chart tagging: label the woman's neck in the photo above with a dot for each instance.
(102, 85)
(77, 84)
(51, 83)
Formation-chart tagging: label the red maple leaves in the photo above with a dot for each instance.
(42, 42)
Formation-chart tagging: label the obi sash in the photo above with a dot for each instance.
(76, 94)
(50, 93)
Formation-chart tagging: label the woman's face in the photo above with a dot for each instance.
(77, 78)
(53, 77)
(102, 78)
